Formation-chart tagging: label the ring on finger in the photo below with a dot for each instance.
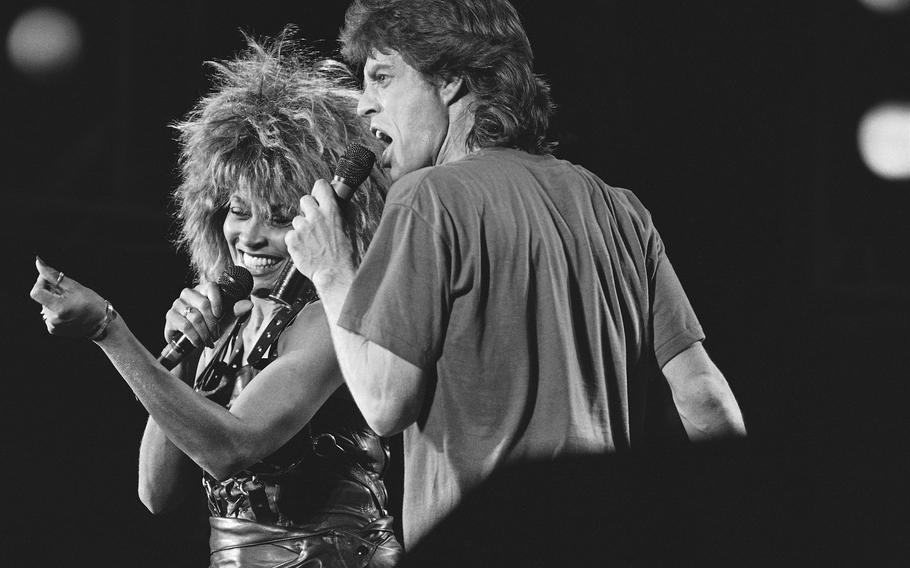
(187, 310)
(59, 278)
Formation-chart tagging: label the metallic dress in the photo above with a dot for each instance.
(319, 500)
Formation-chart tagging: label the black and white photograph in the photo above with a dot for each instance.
(601, 283)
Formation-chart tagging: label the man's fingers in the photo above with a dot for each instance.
(322, 196)
(324, 193)
(317, 238)
(297, 222)
(321, 202)
(308, 206)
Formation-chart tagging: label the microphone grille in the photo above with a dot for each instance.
(355, 165)
(235, 284)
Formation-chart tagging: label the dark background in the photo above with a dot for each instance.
(734, 122)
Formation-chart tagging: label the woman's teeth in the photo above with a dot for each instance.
(254, 262)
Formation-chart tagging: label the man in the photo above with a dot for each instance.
(511, 305)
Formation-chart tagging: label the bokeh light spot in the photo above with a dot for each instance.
(884, 140)
(886, 6)
(43, 41)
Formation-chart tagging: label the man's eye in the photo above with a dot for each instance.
(282, 220)
(239, 211)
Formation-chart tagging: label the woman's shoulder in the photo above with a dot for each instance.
(309, 328)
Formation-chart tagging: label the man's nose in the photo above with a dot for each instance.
(367, 104)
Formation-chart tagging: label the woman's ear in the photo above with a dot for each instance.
(450, 89)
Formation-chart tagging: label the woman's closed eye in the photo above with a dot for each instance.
(239, 211)
(281, 220)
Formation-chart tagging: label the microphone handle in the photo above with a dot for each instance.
(174, 352)
(342, 190)
(290, 282)
(234, 284)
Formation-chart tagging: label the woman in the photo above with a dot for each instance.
(291, 471)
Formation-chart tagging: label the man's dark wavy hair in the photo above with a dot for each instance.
(481, 41)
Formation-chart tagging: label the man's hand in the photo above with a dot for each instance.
(318, 244)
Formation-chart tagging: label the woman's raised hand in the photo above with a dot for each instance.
(69, 309)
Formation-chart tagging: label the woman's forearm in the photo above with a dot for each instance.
(203, 430)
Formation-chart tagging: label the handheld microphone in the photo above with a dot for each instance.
(235, 284)
(353, 168)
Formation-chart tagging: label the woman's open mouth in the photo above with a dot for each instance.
(259, 264)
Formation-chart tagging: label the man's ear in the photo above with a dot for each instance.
(451, 89)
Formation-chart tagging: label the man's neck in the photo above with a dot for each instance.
(461, 121)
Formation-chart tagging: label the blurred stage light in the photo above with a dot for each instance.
(884, 140)
(885, 6)
(43, 41)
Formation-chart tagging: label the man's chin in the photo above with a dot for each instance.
(385, 163)
(397, 171)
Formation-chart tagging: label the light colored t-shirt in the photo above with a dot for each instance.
(538, 300)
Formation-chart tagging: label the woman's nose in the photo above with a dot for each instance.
(252, 233)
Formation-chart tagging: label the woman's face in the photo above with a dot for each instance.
(256, 243)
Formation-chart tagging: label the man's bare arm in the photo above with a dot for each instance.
(702, 396)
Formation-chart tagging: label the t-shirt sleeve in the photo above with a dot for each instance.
(400, 296)
(674, 322)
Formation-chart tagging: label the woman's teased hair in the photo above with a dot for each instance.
(481, 41)
(277, 119)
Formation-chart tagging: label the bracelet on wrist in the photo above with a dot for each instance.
(109, 316)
